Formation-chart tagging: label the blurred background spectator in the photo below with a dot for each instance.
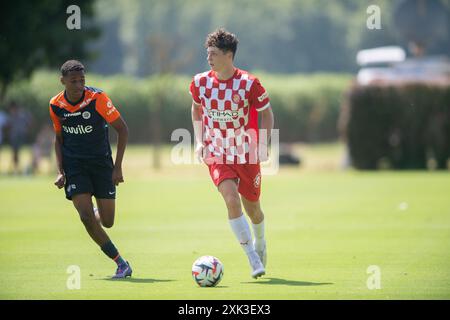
(19, 125)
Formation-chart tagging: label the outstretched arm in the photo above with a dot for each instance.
(122, 131)
(60, 178)
(196, 112)
(267, 121)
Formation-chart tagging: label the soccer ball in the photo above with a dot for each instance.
(207, 271)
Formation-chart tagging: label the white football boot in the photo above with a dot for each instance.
(256, 264)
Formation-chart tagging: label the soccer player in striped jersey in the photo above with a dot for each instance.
(227, 103)
(80, 117)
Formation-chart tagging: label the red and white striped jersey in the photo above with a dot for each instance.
(230, 114)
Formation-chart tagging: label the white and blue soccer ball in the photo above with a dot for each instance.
(207, 271)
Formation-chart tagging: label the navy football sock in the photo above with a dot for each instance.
(111, 251)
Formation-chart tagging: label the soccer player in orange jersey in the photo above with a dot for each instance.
(227, 103)
(81, 116)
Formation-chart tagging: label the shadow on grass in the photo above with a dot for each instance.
(212, 288)
(284, 282)
(137, 280)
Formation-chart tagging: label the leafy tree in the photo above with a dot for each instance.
(423, 23)
(35, 34)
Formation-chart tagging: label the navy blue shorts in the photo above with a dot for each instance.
(92, 176)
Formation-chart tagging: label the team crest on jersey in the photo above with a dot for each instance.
(86, 115)
(236, 98)
(257, 180)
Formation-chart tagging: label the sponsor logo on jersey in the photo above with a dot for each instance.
(75, 114)
(86, 115)
(263, 96)
(79, 129)
(223, 115)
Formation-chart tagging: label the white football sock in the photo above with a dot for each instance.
(242, 232)
(258, 231)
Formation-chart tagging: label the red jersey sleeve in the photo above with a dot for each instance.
(105, 108)
(259, 98)
(193, 90)
(55, 120)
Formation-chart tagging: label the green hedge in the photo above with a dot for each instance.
(306, 107)
(400, 127)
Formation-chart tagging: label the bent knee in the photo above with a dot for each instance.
(106, 217)
(253, 209)
(232, 198)
(108, 224)
(256, 214)
(87, 218)
(231, 195)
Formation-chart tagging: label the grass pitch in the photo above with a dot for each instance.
(325, 228)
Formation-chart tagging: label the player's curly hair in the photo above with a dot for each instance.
(71, 65)
(222, 39)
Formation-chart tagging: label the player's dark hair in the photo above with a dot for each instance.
(222, 39)
(71, 65)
